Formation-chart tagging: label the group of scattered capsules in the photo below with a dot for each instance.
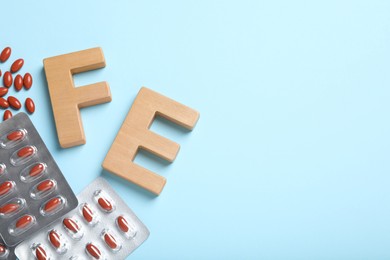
(75, 231)
(19, 82)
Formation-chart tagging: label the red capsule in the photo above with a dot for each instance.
(14, 102)
(52, 204)
(105, 204)
(5, 54)
(3, 103)
(87, 213)
(45, 185)
(24, 221)
(7, 79)
(30, 106)
(71, 225)
(93, 251)
(36, 169)
(110, 241)
(3, 250)
(40, 253)
(0, 73)
(7, 115)
(5, 187)
(55, 239)
(122, 223)
(26, 151)
(18, 82)
(27, 81)
(3, 91)
(15, 135)
(9, 208)
(17, 65)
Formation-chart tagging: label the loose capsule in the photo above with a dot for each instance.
(27, 81)
(24, 221)
(55, 239)
(3, 91)
(18, 82)
(7, 79)
(40, 253)
(87, 213)
(5, 54)
(53, 206)
(93, 251)
(6, 187)
(30, 106)
(3, 103)
(14, 102)
(7, 115)
(110, 241)
(17, 65)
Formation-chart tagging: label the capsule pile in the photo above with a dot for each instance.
(10, 77)
(33, 191)
(101, 227)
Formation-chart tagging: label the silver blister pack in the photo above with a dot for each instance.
(33, 191)
(6, 252)
(101, 227)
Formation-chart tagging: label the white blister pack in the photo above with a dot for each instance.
(101, 227)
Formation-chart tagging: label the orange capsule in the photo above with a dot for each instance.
(15, 135)
(26, 151)
(7, 79)
(87, 213)
(36, 169)
(27, 81)
(71, 225)
(3, 91)
(93, 251)
(7, 115)
(14, 102)
(55, 239)
(17, 65)
(105, 204)
(110, 241)
(18, 82)
(5, 54)
(45, 185)
(40, 253)
(9, 208)
(52, 204)
(30, 106)
(5, 187)
(3, 103)
(122, 224)
(24, 221)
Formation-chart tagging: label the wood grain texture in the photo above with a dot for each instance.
(66, 99)
(134, 134)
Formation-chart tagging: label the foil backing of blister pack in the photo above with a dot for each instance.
(107, 208)
(39, 194)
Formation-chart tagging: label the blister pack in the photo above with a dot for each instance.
(6, 252)
(101, 227)
(33, 191)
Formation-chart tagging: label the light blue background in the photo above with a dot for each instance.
(290, 157)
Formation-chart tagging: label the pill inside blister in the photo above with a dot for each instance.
(57, 241)
(53, 205)
(43, 189)
(110, 240)
(2, 169)
(23, 155)
(40, 252)
(124, 226)
(73, 228)
(33, 172)
(3, 251)
(89, 215)
(12, 207)
(6, 188)
(13, 138)
(21, 225)
(104, 201)
(93, 251)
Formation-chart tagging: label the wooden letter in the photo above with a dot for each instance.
(66, 100)
(135, 134)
